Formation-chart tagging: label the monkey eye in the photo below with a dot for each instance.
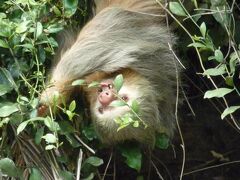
(110, 86)
(125, 98)
(100, 90)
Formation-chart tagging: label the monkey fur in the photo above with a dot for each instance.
(127, 37)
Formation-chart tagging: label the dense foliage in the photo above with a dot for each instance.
(62, 145)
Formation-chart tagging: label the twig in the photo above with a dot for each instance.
(84, 144)
(158, 173)
(211, 167)
(105, 171)
(79, 164)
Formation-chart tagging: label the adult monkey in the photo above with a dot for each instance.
(125, 37)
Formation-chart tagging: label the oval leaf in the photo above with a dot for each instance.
(220, 92)
(22, 126)
(8, 167)
(215, 71)
(94, 161)
(70, 7)
(35, 174)
(118, 82)
(3, 44)
(229, 110)
(50, 138)
(133, 157)
(117, 103)
(218, 55)
(78, 82)
(72, 106)
(7, 109)
(203, 29)
(176, 8)
(39, 29)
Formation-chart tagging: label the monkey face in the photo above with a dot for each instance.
(100, 104)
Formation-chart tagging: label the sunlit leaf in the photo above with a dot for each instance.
(50, 138)
(93, 84)
(203, 29)
(229, 110)
(39, 29)
(78, 82)
(72, 106)
(118, 82)
(8, 108)
(219, 55)
(22, 27)
(117, 103)
(22, 126)
(220, 92)
(215, 71)
(176, 8)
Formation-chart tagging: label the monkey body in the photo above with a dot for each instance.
(123, 35)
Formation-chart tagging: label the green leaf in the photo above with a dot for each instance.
(55, 28)
(136, 124)
(93, 84)
(229, 110)
(22, 27)
(176, 8)
(8, 76)
(197, 45)
(133, 157)
(215, 71)
(203, 29)
(51, 124)
(66, 175)
(39, 29)
(72, 140)
(218, 55)
(162, 141)
(135, 106)
(118, 82)
(70, 114)
(50, 138)
(90, 133)
(65, 127)
(4, 89)
(8, 167)
(3, 44)
(70, 7)
(72, 106)
(90, 177)
(50, 146)
(7, 108)
(78, 82)
(22, 126)
(220, 92)
(117, 103)
(94, 161)
(35, 174)
(38, 135)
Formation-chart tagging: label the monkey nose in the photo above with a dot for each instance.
(106, 97)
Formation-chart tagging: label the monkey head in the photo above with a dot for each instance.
(104, 115)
